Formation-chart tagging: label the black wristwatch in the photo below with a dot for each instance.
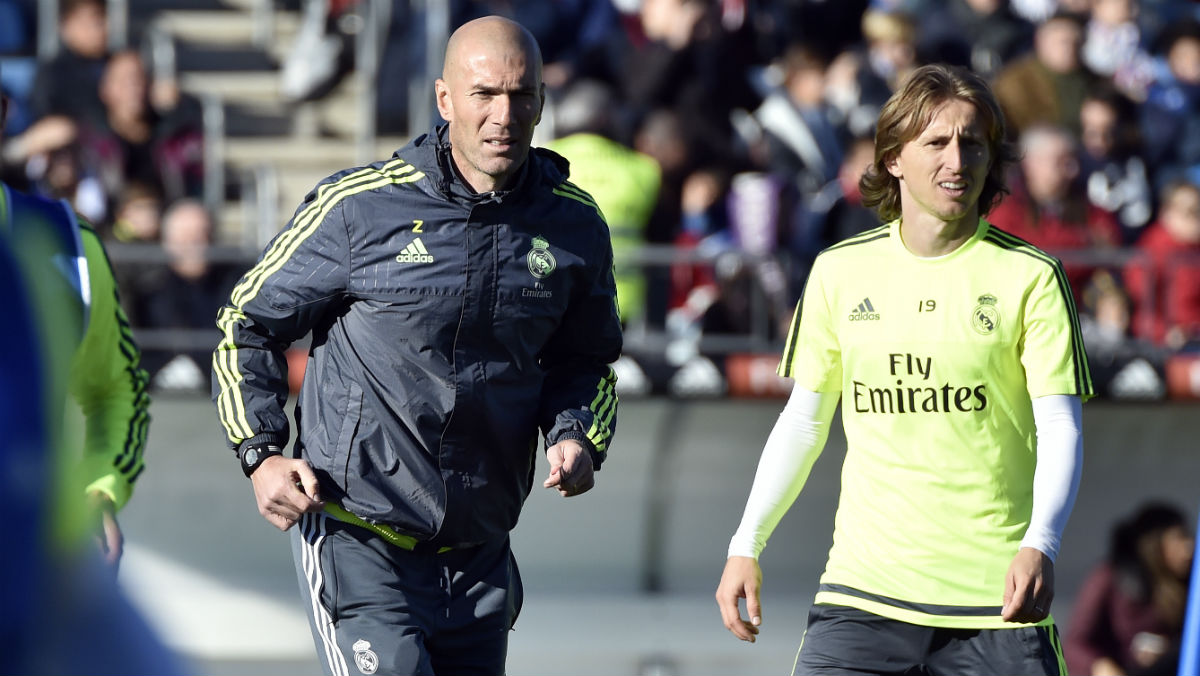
(253, 455)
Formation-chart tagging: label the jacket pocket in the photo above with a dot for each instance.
(350, 419)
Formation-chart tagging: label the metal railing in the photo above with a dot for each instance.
(213, 119)
(373, 18)
(118, 23)
(260, 205)
(640, 336)
(420, 84)
(262, 17)
(47, 29)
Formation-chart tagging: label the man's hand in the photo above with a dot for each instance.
(285, 488)
(1028, 587)
(106, 532)
(742, 579)
(1106, 666)
(570, 468)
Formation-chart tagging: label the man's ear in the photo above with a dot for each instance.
(541, 103)
(893, 167)
(441, 96)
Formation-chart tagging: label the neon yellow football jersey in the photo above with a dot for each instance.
(937, 360)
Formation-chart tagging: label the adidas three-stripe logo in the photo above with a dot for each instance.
(865, 312)
(415, 252)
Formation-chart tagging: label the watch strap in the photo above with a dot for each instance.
(252, 455)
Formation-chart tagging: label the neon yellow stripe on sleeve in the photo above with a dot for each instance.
(603, 408)
(304, 223)
(566, 189)
(230, 403)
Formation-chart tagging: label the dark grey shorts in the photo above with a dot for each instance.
(376, 608)
(842, 640)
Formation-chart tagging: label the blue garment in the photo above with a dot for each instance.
(22, 215)
(1170, 126)
(23, 459)
(63, 611)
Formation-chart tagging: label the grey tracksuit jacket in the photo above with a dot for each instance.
(448, 328)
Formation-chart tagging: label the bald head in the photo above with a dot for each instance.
(490, 35)
(491, 94)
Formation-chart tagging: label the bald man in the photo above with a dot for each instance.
(461, 302)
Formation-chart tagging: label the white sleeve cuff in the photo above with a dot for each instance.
(795, 443)
(1058, 419)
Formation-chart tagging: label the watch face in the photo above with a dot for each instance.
(251, 457)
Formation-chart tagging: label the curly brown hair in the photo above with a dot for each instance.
(909, 111)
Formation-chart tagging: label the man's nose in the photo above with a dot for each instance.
(955, 155)
(502, 109)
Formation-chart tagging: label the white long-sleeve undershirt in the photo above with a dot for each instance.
(793, 446)
(1059, 421)
(800, 432)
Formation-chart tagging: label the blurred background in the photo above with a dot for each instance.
(723, 140)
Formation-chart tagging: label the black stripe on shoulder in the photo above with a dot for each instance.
(578, 193)
(871, 235)
(793, 337)
(1010, 242)
(789, 350)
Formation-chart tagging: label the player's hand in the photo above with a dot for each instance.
(285, 488)
(106, 531)
(742, 579)
(1028, 587)
(571, 471)
(1106, 666)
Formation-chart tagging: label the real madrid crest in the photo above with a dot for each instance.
(985, 318)
(364, 658)
(540, 261)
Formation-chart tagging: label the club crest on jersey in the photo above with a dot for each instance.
(540, 261)
(985, 318)
(365, 658)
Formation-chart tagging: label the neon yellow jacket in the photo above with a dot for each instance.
(109, 386)
(81, 316)
(625, 184)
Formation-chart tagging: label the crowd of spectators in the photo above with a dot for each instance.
(761, 117)
(95, 127)
(738, 130)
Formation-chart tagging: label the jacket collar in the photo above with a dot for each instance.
(431, 153)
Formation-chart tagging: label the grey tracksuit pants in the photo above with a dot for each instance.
(375, 608)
